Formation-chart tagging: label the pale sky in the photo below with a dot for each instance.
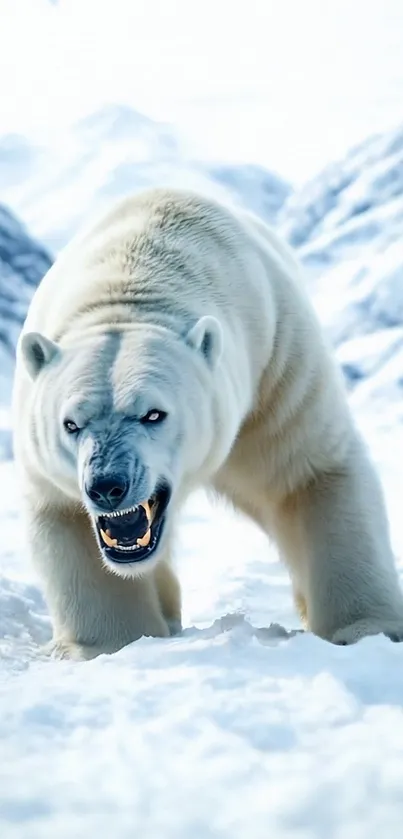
(290, 84)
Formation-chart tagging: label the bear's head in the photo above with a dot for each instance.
(127, 423)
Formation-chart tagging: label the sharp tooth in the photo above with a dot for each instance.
(128, 549)
(107, 539)
(125, 512)
(143, 541)
(147, 509)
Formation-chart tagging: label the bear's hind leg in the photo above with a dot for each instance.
(333, 536)
(349, 580)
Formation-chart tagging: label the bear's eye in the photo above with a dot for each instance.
(70, 426)
(153, 416)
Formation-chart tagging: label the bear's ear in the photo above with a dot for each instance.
(37, 351)
(206, 337)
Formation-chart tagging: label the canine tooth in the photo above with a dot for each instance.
(108, 540)
(147, 509)
(143, 541)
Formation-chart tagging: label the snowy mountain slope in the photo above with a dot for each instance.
(347, 225)
(23, 262)
(354, 202)
(108, 155)
(256, 188)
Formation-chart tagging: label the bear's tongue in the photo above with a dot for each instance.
(129, 530)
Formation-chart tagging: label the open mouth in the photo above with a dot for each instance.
(132, 535)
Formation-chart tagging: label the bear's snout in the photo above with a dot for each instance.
(107, 492)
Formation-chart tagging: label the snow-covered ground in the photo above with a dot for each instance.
(242, 728)
(234, 730)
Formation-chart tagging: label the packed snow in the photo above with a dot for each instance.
(244, 727)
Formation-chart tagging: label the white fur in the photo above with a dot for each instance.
(175, 302)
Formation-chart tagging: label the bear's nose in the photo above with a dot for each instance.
(107, 492)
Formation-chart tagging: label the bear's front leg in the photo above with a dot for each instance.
(335, 538)
(93, 610)
(71, 650)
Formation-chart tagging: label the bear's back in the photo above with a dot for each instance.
(160, 250)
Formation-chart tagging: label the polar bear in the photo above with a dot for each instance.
(173, 346)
